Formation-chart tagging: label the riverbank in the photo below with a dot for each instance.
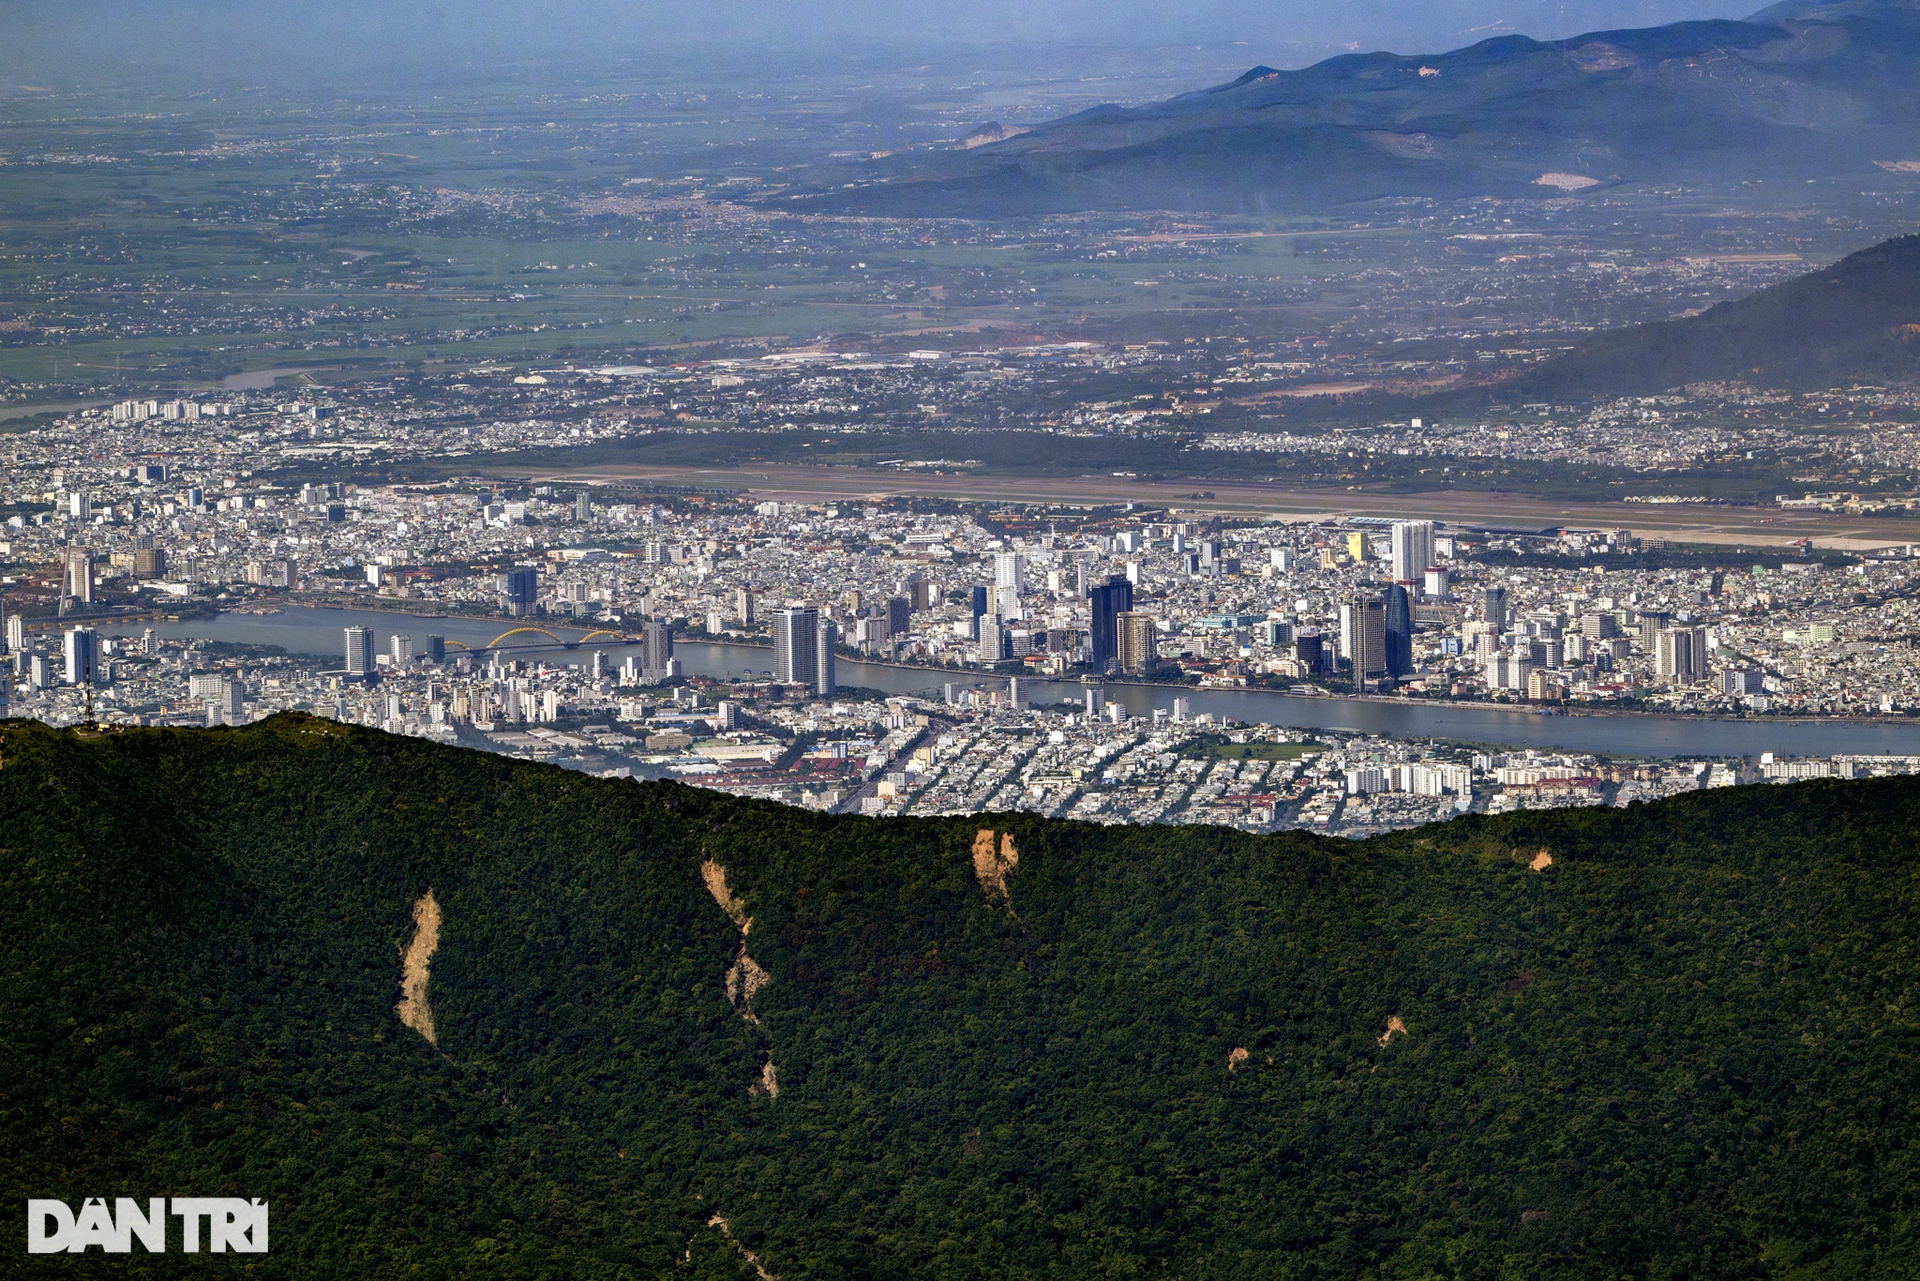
(320, 631)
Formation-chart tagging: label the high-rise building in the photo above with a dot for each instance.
(80, 574)
(359, 651)
(400, 651)
(796, 641)
(1412, 551)
(1651, 623)
(1109, 600)
(81, 656)
(1493, 607)
(657, 649)
(519, 588)
(899, 616)
(1436, 584)
(743, 606)
(436, 648)
(1399, 631)
(1680, 654)
(979, 607)
(1136, 643)
(230, 703)
(16, 632)
(150, 562)
(993, 639)
(826, 637)
(79, 507)
(1307, 649)
(1009, 568)
(582, 508)
(1363, 636)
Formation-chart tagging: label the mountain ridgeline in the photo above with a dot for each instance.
(1798, 91)
(453, 1015)
(1857, 321)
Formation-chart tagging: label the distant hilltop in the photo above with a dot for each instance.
(992, 131)
(1856, 321)
(1797, 91)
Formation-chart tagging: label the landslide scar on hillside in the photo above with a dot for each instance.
(745, 978)
(991, 864)
(414, 965)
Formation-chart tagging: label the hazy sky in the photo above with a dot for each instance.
(58, 40)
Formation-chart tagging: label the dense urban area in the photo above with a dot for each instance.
(540, 619)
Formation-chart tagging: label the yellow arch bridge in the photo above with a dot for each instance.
(563, 642)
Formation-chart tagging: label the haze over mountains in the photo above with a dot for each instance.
(650, 1028)
(1797, 92)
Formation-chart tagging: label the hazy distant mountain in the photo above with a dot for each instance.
(1797, 91)
(453, 1015)
(1857, 321)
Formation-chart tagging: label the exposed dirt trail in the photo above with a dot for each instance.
(717, 1222)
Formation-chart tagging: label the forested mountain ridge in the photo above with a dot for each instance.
(1686, 1045)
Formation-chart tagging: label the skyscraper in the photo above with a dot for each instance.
(1412, 551)
(1008, 569)
(657, 653)
(519, 589)
(899, 616)
(1680, 654)
(1306, 649)
(1493, 606)
(80, 656)
(1136, 643)
(1399, 631)
(796, 642)
(743, 606)
(400, 651)
(993, 639)
(979, 607)
(1109, 600)
(828, 633)
(80, 574)
(436, 648)
(359, 651)
(1363, 636)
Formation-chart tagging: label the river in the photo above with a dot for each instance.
(309, 630)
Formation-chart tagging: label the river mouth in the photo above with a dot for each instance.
(319, 630)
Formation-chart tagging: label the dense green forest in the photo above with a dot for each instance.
(1687, 1047)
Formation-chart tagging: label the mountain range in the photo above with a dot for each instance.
(454, 1015)
(1798, 91)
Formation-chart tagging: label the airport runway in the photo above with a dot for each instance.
(1679, 522)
